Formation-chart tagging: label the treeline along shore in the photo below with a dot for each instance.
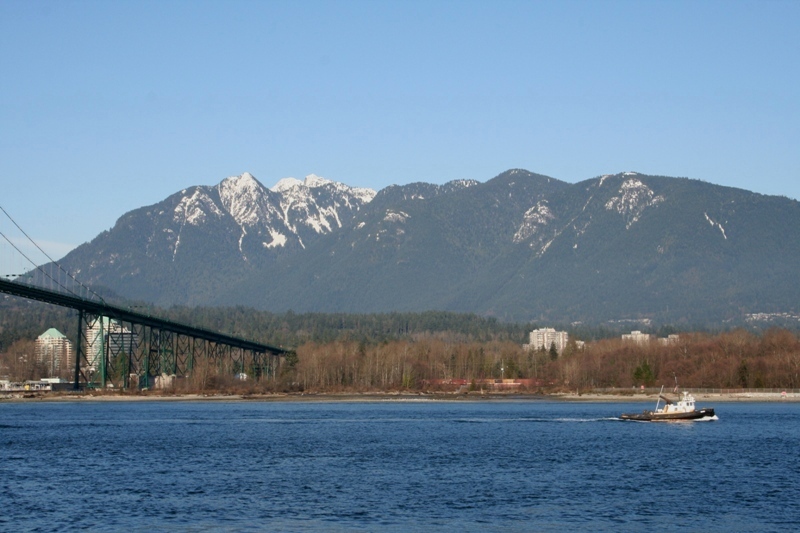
(444, 352)
(736, 359)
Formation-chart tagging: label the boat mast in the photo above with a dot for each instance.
(659, 398)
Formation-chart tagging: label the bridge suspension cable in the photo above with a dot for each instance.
(38, 275)
(120, 347)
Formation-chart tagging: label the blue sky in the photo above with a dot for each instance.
(109, 106)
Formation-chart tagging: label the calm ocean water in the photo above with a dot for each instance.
(395, 466)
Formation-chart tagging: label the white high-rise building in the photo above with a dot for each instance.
(671, 339)
(107, 336)
(54, 351)
(546, 337)
(636, 336)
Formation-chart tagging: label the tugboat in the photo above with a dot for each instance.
(683, 409)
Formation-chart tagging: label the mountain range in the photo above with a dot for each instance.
(520, 246)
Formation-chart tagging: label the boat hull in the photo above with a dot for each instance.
(652, 416)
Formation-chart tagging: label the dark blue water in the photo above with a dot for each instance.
(393, 466)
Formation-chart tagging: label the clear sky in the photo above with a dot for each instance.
(106, 106)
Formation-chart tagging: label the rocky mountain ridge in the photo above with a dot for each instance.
(520, 246)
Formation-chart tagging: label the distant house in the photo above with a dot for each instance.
(54, 351)
(636, 336)
(542, 339)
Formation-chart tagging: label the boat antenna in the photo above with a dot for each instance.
(676, 383)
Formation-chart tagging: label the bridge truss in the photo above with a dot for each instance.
(123, 348)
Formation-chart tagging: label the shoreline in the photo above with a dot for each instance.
(353, 397)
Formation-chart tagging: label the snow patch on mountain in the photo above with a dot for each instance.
(312, 181)
(318, 223)
(363, 194)
(534, 227)
(195, 209)
(462, 184)
(303, 203)
(632, 200)
(278, 239)
(300, 208)
(534, 219)
(395, 216)
(716, 225)
(241, 238)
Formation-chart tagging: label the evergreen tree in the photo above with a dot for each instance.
(644, 374)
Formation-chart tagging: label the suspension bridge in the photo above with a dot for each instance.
(116, 345)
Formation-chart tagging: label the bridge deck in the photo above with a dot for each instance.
(127, 315)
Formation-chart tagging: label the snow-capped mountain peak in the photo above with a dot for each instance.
(286, 184)
(289, 215)
(292, 213)
(243, 197)
(244, 181)
(313, 181)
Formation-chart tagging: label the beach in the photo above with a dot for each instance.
(701, 397)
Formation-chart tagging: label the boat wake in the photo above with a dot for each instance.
(545, 420)
(707, 419)
(602, 419)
